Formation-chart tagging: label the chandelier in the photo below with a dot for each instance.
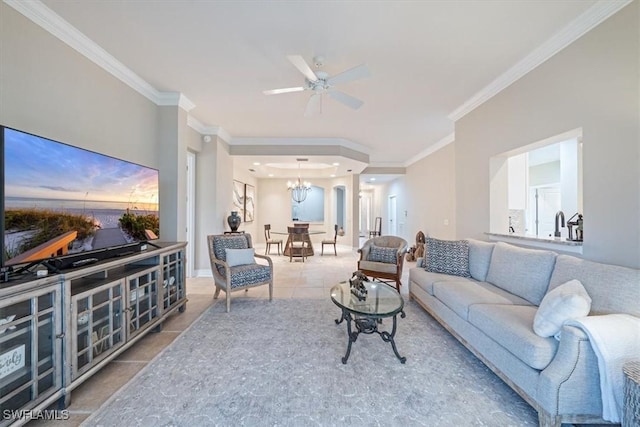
(298, 188)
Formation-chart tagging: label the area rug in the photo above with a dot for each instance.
(279, 363)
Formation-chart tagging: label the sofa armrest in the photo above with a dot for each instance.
(572, 379)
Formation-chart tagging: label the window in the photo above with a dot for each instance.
(530, 185)
(311, 209)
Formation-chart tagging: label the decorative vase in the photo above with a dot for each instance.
(234, 221)
(341, 232)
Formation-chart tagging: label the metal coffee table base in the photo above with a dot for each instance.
(369, 325)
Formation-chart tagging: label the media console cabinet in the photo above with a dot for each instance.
(57, 331)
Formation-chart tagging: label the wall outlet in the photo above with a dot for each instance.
(446, 222)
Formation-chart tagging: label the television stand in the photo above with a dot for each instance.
(73, 323)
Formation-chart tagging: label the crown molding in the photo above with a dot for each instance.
(203, 129)
(196, 125)
(50, 21)
(593, 16)
(431, 149)
(174, 99)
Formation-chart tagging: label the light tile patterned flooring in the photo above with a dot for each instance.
(310, 279)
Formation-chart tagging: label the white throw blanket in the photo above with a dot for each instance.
(615, 339)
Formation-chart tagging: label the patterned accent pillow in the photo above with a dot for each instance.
(447, 257)
(382, 254)
(240, 256)
(222, 243)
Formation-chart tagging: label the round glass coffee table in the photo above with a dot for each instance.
(381, 301)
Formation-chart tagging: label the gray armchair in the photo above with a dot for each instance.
(237, 268)
(382, 257)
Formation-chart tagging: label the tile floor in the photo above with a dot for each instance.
(310, 279)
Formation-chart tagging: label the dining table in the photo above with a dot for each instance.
(308, 247)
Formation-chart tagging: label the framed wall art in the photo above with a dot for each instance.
(249, 202)
(238, 197)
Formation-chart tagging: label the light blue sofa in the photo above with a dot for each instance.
(492, 314)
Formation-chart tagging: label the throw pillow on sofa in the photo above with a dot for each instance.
(447, 257)
(568, 301)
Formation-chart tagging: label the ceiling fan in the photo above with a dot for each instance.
(321, 83)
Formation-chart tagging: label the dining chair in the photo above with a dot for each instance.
(377, 228)
(331, 242)
(270, 241)
(298, 242)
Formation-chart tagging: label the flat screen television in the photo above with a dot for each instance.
(65, 206)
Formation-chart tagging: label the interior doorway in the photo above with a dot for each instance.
(191, 209)
(340, 213)
(393, 228)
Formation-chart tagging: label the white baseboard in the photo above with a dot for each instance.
(203, 273)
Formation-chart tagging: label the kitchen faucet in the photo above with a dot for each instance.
(559, 216)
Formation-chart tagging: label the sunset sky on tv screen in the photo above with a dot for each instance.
(38, 168)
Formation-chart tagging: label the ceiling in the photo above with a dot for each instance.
(426, 58)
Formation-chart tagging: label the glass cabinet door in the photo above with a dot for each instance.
(143, 300)
(98, 315)
(30, 357)
(173, 284)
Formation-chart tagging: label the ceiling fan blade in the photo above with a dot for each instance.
(355, 73)
(347, 100)
(283, 90)
(302, 66)
(314, 106)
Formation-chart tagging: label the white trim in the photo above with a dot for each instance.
(219, 132)
(432, 149)
(203, 129)
(203, 273)
(593, 16)
(46, 18)
(191, 216)
(174, 98)
(196, 125)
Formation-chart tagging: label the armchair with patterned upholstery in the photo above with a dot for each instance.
(382, 258)
(234, 266)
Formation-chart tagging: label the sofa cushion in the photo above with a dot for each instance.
(382, 254)
(479, 258)
(447, 257)
(382, 267)
(567, 301)
(510, 326)
(460, 296)
(243, 275)
(425, 279)
(523, 272)
(613, 289)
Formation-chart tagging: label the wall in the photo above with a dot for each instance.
(274, 208)
(593, 84)
(249, 227)
(430, 182)
(397, 189)
(49, 89)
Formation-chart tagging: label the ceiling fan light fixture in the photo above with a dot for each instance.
(320, 82)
